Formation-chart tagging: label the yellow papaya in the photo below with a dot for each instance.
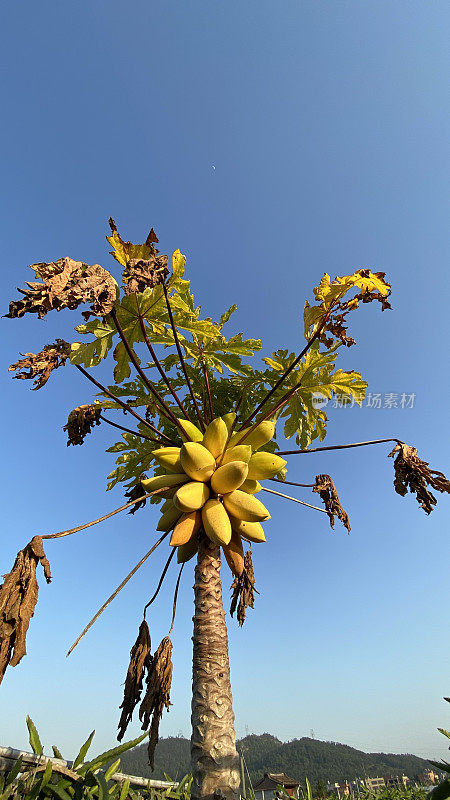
(187, 551)
(197, 461)
(264, 465)
(242, 452)
(168, 519)
(257, 437)
(215, 437)
(262, 434)
(229, 420)
(234, 554)
(158, 481)
(191, 496)
(169, 458)
(236, 438)
(216, 522)
(187, 526)
(244, 506)
(191, 432)
(229, 477)
(250, 486)
(252, 531)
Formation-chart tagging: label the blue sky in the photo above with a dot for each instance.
(270, 142)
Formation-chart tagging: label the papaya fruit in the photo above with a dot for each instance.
(216, 522)
(191, 496)
(229, 477)
(244, 506)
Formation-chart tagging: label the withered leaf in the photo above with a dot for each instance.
(141, 273)
(18, 598)
(81, 421)
(143, 266)
(339, 309)
(40, 365)
(413, 474)
(243, 596)
(326, 489)
(135, 493)
(140, 662)
(66, 283)
(157, 694)
(152, 239)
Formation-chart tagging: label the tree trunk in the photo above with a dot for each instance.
(215, 763)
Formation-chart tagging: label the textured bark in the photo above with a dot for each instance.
(215, 763)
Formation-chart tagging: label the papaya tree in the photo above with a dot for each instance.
(205, 418)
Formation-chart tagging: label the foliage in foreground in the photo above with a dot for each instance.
(442, 790)
(83, 780)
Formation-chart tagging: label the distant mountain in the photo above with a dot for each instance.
(299, 758)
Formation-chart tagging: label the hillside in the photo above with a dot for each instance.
(299, 758)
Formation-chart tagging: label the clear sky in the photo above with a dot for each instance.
(271, 142)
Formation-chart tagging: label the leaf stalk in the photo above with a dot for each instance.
(294, 499)
(292, 366)
(125, 406)
(116, 592)
(161, 371)
(163, 407)
(101, 519)
(180, 356)
(335, 447)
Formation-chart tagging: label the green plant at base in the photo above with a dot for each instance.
(442, 790)
(83, 779)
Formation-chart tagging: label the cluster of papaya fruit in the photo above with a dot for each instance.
(212, 481)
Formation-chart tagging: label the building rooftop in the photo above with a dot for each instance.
(273, 779)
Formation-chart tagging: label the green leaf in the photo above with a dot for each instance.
(112, 770)
(35, 742)
(12, 775)
(178, 262)
(102, 786)
(47, 775)
(108, 755)
(150, 307)
(83, 751)
(123, 251)
(441, 791)
(136, 456)
(226, 315)
(277, 365)
(220, 352)
(124, 790)
(58, 791)
(56, 752)
(318, 375)
(92, 353)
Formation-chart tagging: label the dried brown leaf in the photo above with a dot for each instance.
(80, 422)
(326, 489)
(141, 273)
(243, 596)
(18, 598)
(413, 474)
(336, 324)
(140, 663)
(152, 239)
(40, 365)
(66, 283)
(157, 695)
(136, 492)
